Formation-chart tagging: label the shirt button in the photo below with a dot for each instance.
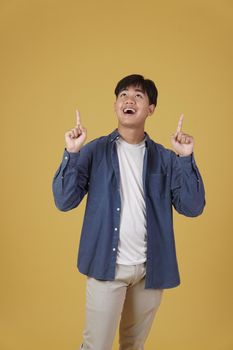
(118, 209)
(114, 249)
(115, 229)
(66, 157)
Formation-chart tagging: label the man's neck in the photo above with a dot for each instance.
(133, 136)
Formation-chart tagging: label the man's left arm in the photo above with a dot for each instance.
(188, 193)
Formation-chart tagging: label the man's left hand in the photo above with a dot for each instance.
(182, 143)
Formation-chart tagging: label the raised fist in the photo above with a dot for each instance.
(76, 137)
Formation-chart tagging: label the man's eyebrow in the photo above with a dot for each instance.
(140, 90)
(137, 89)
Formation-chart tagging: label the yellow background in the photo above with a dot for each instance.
(60, 55)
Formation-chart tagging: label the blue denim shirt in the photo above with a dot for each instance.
(169, 180)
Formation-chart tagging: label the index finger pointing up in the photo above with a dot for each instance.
(180, 122)
(78, 118)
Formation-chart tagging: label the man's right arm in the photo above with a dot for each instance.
(71, 180)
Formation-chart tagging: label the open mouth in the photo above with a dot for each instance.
(129, 110)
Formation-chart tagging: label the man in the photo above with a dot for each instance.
(127, 246)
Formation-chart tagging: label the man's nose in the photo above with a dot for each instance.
(130, 100)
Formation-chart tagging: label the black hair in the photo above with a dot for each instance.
(146, 85)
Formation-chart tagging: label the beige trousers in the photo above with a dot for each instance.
(123, 299)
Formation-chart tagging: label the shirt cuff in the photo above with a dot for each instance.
(70, 157)
(185, 159)
(188, 162)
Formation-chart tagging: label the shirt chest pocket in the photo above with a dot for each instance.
(159, 185)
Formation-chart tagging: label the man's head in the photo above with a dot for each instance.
(136, 99)
(136, 80)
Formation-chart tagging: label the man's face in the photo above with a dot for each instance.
(132, 107)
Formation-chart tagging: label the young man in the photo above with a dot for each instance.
(127, 246)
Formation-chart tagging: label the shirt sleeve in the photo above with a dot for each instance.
(188, 193)
(71, 180)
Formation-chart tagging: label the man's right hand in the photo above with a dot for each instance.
(76, 137)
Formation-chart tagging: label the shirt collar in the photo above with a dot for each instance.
(115, 136)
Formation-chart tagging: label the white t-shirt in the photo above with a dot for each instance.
(132, 242)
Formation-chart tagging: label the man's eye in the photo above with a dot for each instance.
(139, 95)
(123, 94)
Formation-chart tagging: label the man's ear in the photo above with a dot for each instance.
(151, 109)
